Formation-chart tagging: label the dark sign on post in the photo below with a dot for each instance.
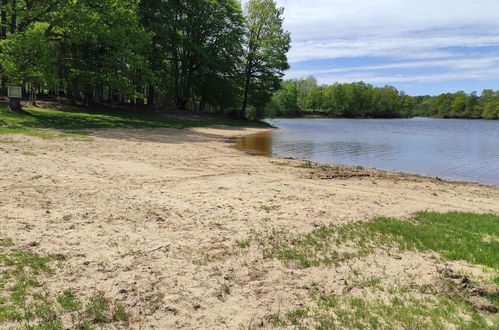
(15, 92)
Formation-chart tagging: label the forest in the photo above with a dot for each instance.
(202, 55)
(211, 56)
(299, 97)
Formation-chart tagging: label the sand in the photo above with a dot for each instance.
(151, 218)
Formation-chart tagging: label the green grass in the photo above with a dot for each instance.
(400, 311)
(26, 303)
(243, 244)
(457, 236)
(327, 245)
(40, 121)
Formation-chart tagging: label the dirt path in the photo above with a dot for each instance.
(151, 217)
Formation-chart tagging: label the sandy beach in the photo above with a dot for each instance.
(153, 217)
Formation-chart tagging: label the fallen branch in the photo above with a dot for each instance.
(156, 249)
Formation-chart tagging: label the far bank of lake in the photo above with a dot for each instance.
(454, 149)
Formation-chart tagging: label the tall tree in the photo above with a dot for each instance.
(266, 48)
(29, 57)
(197, 45)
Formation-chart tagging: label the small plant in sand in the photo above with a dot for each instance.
(243, 244)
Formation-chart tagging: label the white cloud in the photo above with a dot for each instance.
(447, 39)
(430, 45)
(480, 63)
(337, 19)
(420, 78)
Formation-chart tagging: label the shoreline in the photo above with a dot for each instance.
(157, 219)
(251, 150)
(381, 118)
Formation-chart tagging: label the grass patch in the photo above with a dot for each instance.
(456, 236)
(400, 310)
(327, 245)
(270, 208)
(243, 244)
(312, 165)
(41, 121)
(2, 140)
(26, 303)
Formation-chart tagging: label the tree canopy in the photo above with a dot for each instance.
(184, 54)
(299, 97)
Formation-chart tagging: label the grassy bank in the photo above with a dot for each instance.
(41, 122)
(454, 236)
(457, 236)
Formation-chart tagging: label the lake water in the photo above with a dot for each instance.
(465, 150)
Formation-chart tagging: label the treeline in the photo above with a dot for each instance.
(206, 55)
(300, 97)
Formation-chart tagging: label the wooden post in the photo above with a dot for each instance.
(15, 105)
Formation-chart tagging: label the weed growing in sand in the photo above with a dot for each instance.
(26, 302)
(328, 245)
(120, 314)
(29, 153)
(243, 244)
(7, 242)
(270, 208)
(279, 163)
(308, 164)
(401, 310)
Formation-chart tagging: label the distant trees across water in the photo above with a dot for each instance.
(205, 55)
(299, 97)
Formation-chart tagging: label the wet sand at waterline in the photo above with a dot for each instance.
(151, 217)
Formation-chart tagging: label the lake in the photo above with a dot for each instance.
(465, 150)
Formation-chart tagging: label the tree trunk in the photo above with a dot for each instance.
(245, 96)
(3, 19)
(98, 94)
(32, 95)
(247, 84)
(3, 31)
(13, 17)
(150, 96)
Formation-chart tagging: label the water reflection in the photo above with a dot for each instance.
(259, 143)
(453, 149)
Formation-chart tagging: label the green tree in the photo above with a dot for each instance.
(101, 48)
(314, 98)
(458, 106)
(285, 101)
(198, 44)
(266, 47)
(29, 56)
(489, 104)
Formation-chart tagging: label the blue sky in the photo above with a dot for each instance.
(419, 46)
